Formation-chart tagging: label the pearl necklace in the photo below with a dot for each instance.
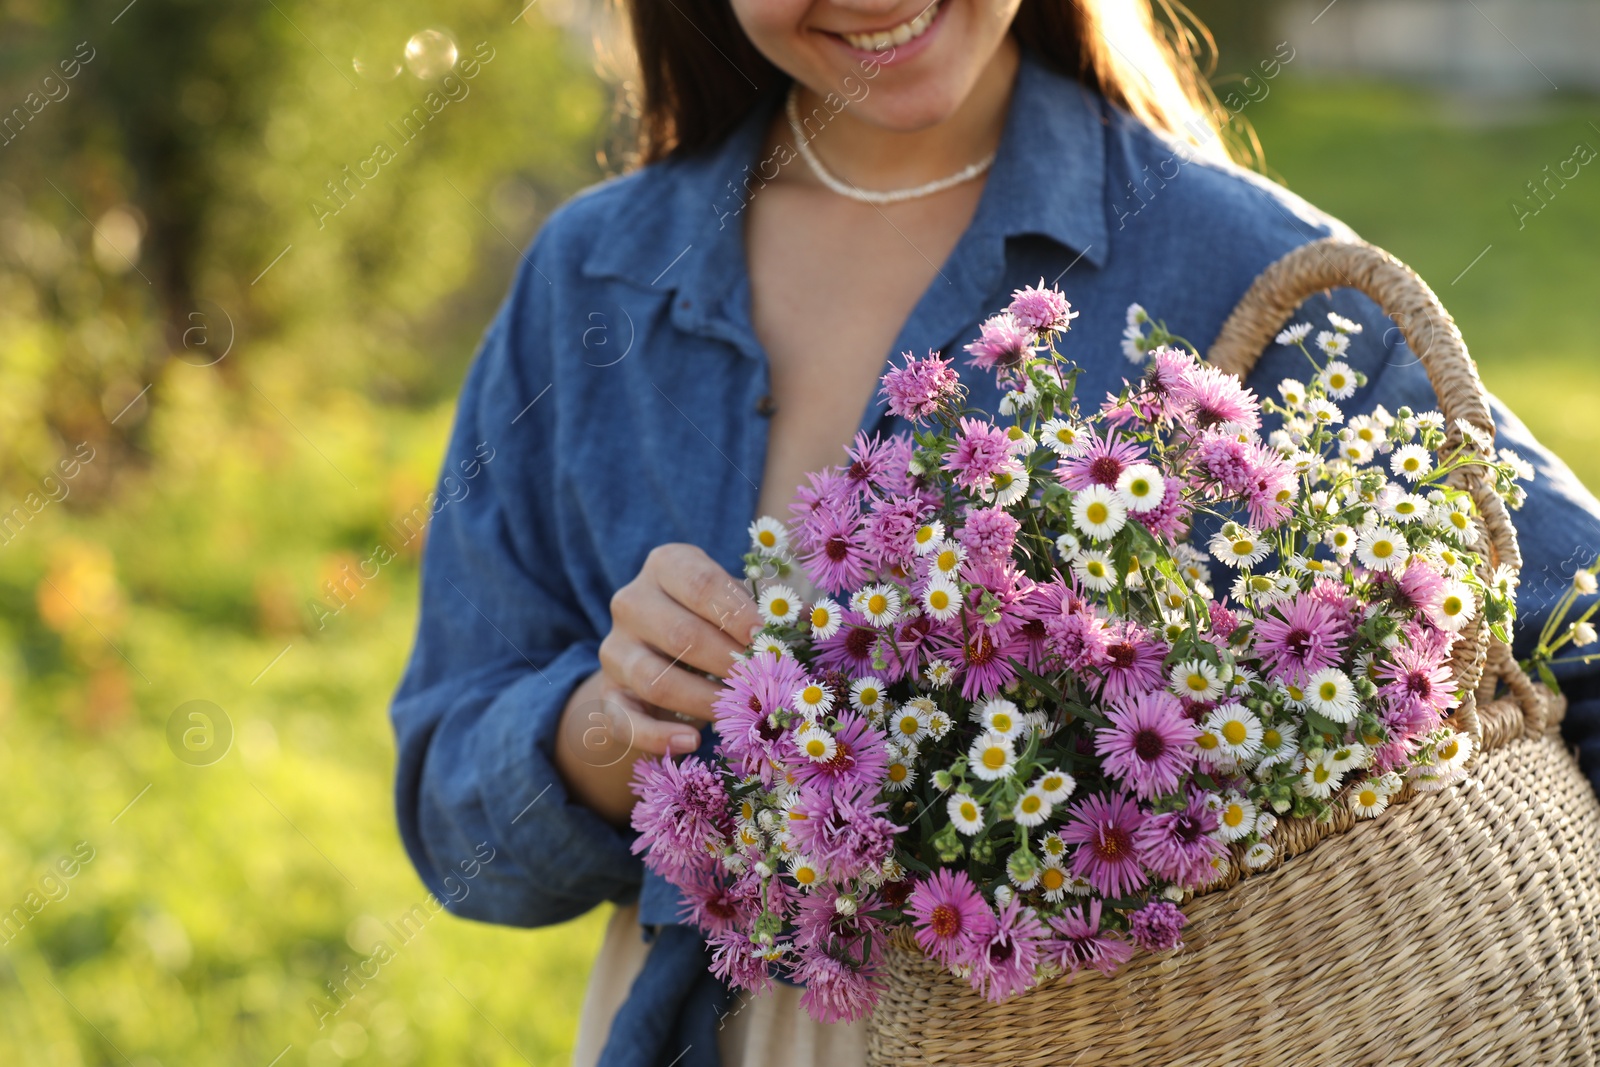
(870, 196)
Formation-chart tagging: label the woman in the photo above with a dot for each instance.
(827, 182)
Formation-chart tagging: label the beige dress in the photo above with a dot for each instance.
(769, 1030)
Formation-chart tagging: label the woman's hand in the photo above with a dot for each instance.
(681, 618)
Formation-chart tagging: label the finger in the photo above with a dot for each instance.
(654, 679)
(619, 726)
(677, 633)
(693, 579)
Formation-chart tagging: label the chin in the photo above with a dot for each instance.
(912, 107)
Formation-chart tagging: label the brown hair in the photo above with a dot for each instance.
(699, 75)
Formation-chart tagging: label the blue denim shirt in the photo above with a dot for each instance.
(621, 390)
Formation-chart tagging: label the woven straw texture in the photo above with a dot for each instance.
(1458, 927)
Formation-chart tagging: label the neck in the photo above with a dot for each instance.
(872, 157)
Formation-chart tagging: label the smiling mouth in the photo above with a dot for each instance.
(895, 36)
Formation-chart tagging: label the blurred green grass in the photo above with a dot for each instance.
(219, 903)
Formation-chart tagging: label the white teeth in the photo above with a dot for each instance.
(909, 30)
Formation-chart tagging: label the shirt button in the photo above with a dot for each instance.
(766, 407)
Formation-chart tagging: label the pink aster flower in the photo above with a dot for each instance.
(1006, 966)
(1272, 485)
(754, 689)
(951, 918)
(1226, 460)
(858, 762)
(890, 531)
(1101, 462)
(1041, 310)
(682, 808)
(1419, 688)
(1075, 635)
(837, 558)
(835, 991)
(1216, 398)
(844, 831)
(820, 924)
(981, 451)
(1223, 620)
(1178, 845)
(1302, 638)
(1421, 588)
(825, 495)
(988, 535)
(871, 463)
(1158, 926)
(713, 904)
(1081, 943)
(1147, 746)
(1003, 345)
(735, 960)
(984, 658)
(1132, 664)
(1170, 518)
(850, 649)
(919, 389)
(1106, 830)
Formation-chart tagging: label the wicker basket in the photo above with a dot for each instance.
(1458, 927)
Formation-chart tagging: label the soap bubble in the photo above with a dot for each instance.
(430, 54)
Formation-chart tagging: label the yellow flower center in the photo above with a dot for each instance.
(1243, 547)
(1001, 722)
(1233, 815)
(1271, 738)
(1320, 774)
(805, 875)
(947, 560)
(938, 599)
(1458, 519)
(1066, 435)
(1052, 879)
(924, 534)
(811, 694)
(1050, 783)
(969, 811)
(1207, 740)
(1139, 487)
(868, 696)
(1030, 805)
(1095, 569)
(767, 538)
(877, 604)
(1015, 433)
(897, 772)
(816, 747)
(1367, 798)
(909, 725)
(1382, 549)
(779, 607)
(1197, 683)
(1448, 750)
(1234, 732)
(994, 757)
(820, 617)
(1328, 690)
(1412, 464)
(1452, 605)
(1097, 512)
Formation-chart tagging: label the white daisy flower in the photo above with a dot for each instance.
(1053, 879)
(1064, 438)
(927, 538)
(1099, 512)
(1007, 486)
(1137, 315)
(1408, 507)
(1382, 549)
(866, 694)
(1338, 379)
(1324, 411)
(942, 599)
(1294, 334)
(1031, 809)
(938, 725)
(947, 558)
(1355, 451)
(778, 605)
(1265, 823)
(771, 646)
(965, 813)
(1236, 817)
(1334, 344)
(768, 536)
(1519, 466)
(1368, 799)
(1238, 731)
(1019, 399)
(1195, 679)
(1318, 781)
(1353, 756)
(1450, 562)
(1342, 539)
(900, 775)
(1208, 747)
(1068, 546)
(1451, 753)
(1055, 786)
(815, 743)
(1292, 390)
(1000, 717)
(1094, 570)
(880, 604)
(939, 672)
(1052, 846)
(1331, 694)
(813, 699)
(804, 870)
(1470, 434)
(991, 757)
(1257, 855)
(908, 725)
(826, 618)
(1342, 324)
(1369, 430)
(1239, 546)
(1079, 886)
(1133, 344)
(1143, 487)
(1457, 608)
(1411, 462)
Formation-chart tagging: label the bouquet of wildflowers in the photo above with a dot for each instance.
(1026, 684)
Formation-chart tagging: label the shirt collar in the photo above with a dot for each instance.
(1048, 179)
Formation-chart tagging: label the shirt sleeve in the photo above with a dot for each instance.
(502, 641)
(1558, 526)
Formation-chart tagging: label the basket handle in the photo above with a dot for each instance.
(1429, 332)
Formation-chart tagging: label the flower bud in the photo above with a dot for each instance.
(1583, 633)
(1584, 582)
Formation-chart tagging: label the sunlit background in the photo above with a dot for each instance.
(227, 369)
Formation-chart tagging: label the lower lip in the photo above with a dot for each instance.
(899, 54)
